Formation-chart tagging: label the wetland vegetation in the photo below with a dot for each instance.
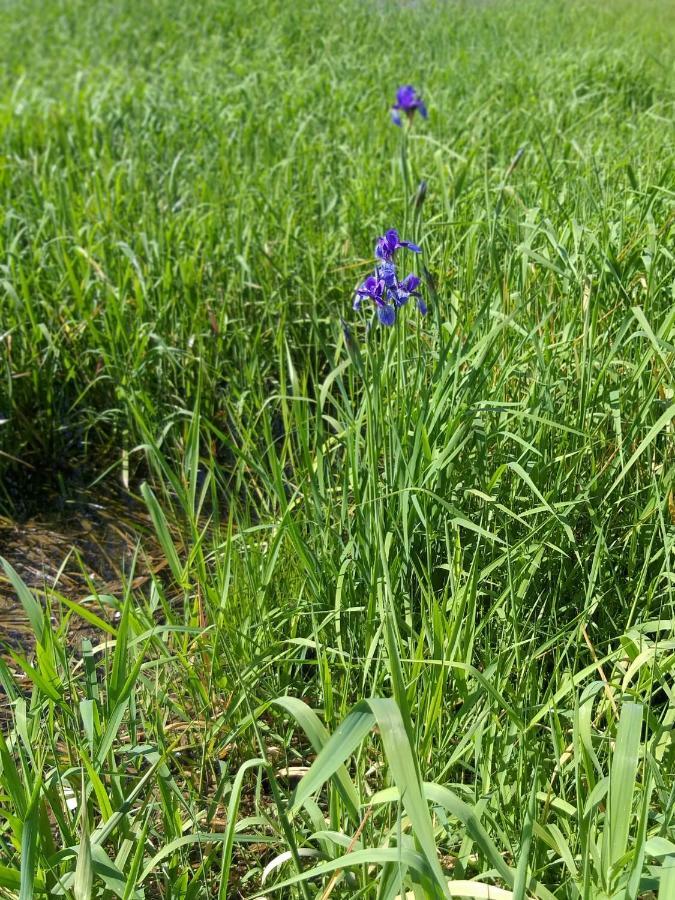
(309, 601)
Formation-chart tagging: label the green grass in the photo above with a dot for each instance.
(416, 628)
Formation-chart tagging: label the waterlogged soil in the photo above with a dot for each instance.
(86, 547)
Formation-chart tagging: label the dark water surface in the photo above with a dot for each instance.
(76, 546)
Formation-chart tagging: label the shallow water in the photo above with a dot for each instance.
(76, 546)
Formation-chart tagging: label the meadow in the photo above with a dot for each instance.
(413, 631)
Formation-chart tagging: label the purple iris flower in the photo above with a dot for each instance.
(383, 288)
(387, 272)
(389, 243)
(408, 288)
(374, 289)
(407, 101)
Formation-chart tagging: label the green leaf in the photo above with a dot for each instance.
(29, 845)
(232, 813)
(667, 880)
(400, 760)
(521, 879)
(376, 856)
(84, 873)
(659, 846)
(215, 837)
(318, 736)
(341, 744)
(622, 777)
(46, 686)
(84, 613)
(658, 426)
(162, 531)
(30, 605)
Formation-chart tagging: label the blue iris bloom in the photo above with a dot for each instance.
(374, 289)
(408, 101)
(408, 288)
(387, 272)
(389, 243)
(383, 288)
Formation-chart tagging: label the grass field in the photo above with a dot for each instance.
(413, 633)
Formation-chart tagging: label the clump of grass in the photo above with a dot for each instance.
(415, 631)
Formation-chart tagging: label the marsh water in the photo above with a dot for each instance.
(82, 543)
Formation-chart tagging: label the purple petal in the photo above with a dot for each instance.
(421, 305)
(386, 314)
(387, 272)
(423, 110)
(405, 96)
(357, 302)
(369, 287)
(410, 246)
(372, 288)
(386, 245)
(381, 250)
(395, 117)
(410, 283)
